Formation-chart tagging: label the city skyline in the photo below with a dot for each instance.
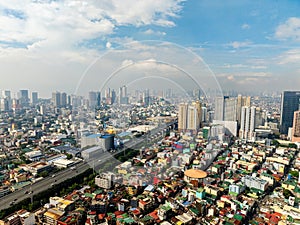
(248, 46)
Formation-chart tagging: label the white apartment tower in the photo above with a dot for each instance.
(189, 116)
(247, 130)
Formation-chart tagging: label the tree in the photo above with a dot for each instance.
(294, 173)
(43, 174)
(292, 145)
(69, 156)
(287, 193)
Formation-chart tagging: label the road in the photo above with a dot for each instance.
(63, 175)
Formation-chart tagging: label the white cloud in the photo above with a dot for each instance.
(71, 22)
(245, 26)
(127, 62)
(237, 44)
(290, 57)
(108, 44)
(152, 32)
(229, 66)
(290, 29)
(230, 77)
(50, 40)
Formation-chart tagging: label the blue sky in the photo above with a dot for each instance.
(249, 45)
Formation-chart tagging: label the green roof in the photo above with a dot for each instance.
(88, 195)
(129, 220)
(147, 218)
(233, 194)
(253, 222)
(238, 217)
(194, 210)
(98, 191)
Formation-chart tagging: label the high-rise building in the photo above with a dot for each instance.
(290, 102)
(56, 97)
(113, 96)
(296, 127)
(34, 98)
(204, 114)
(146, 97)
(242, 101)
(93, 99)
(60, 99)
(63, 99)
(4, 104)
(247, 130)
(123, 96)
(6, 94)
(189, 116)
(225, 109)
(24, 99)
(182, 115)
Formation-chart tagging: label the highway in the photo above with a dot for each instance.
(44, 184)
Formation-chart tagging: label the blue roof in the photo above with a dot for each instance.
(106, 136)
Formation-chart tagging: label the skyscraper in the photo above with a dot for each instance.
(6, 94)
(189, 116)
(4, 104)
(247, 130)
(93, 99)
(123, 98)
(296, 127)
(34, 98)
(182, 115)
(226, 109)
(63, 99)
(113, 96)
(56, 96)
(290, 101)
(24, 99)
(242, 101)
(146, 97)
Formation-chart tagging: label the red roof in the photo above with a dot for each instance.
(136, 212)
(101, 216)
(117, 213)
(88, 221)
(154, 215)
(274, 219)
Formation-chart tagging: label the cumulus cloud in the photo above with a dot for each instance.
(71, 22)
(51, 40)
(289, 30)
